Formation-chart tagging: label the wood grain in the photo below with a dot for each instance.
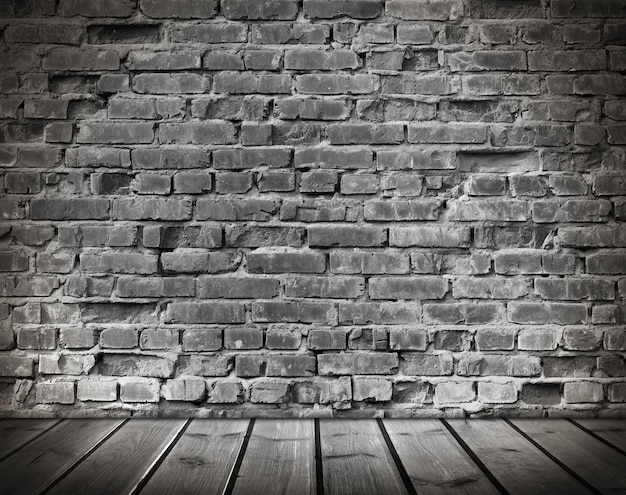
(356, 460)
(611, 430)
(434, 460)
(118, 464)
(515, 462)
(280, 459)
(201, 460)
(596, 463)
(35, 466)
(16, 432)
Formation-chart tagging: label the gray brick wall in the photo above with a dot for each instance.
(313, 207)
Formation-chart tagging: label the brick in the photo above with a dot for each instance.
(134, 33)
(414, 34)
(252, 83)
(15, 366)
(236, 159)
(69, 209)
(571, 211)
(407, 339)
(497, 393)
(365, 134)
(186, 9)
(324, 287)
(105, 8)
(323, 181)
(346, 236)
(269, 391)
(137, 390)
(237, 288)
(418, 364)
(574, 289)
(171, 83)
(537, 339)
(328, 9)
(81, 60)
(208, 132)
(55, 392)
(538, 313)
(583, 392)
(188, 390)
(152, 209)
(334, 84)
(256, 237)
(66, 364)
(371, 389)
(223, 32)
(285, 33)
(388, 211)
(463, 313)
(292, 312)
(286, 262)
(606, 263)
(487, 60)
(162, 61)
(223, 312)
(429, 236)
(333, 158)
(119, 263)
(617, 392)
(425, 10)
(342, 262)
(326, 339)
(490, 288)
(277, 9)
(301, 59)
(119, 338)
(357, 363)
(13, 261)
(378, 313)
(542, 394)
(450, 133)
(492, 339)
(236, 210)
(419, 85)
(454, 392)
(97, 390)
(290, 365)
(284, 338)
(407, 288)
(202, 339)
(224, 392)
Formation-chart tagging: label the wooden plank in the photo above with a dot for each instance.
(433, 459)
(122, 460)
(611, 430)
(201, 460)
(515, 462)
(280, 459)
(595, 462)
(36, 465)
(356, 460)
(16, 432)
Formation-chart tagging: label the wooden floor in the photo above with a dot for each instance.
(268, 457)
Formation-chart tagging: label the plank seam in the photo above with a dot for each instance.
(81, 459)
(46, 430)
(563, 466)
(232, 478)
(143, 481)
(490, 476)
(404, 475)
(597, 437)
(319, 469)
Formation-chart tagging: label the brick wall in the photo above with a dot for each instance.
(313, 207)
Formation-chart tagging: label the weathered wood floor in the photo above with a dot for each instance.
(269, 457)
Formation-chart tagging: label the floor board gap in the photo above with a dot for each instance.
(9, 454)
(83, 458)
(406, 479)
(159, 460)
(597, 437)
(319, 468)
(563, 466)
(232, 478)
(475, 458)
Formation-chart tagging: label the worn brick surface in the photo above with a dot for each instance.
(227, 207)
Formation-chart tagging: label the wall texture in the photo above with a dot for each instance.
(348, 208)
